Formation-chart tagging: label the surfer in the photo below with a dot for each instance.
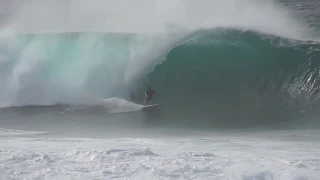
(149, 93)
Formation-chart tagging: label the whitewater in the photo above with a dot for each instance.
(238, 82)
(195, 156)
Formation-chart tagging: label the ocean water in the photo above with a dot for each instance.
(238, 82)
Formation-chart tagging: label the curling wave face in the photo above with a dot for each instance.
(210, 74)
(245, 77)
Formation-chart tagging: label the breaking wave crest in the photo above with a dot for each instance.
(210, 73)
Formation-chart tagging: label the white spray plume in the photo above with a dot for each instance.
(146, 16)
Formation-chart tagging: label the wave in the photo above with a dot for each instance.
(210, 74)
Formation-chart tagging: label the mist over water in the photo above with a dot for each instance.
(150, 16)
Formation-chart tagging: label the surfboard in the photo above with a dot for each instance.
(151, 106)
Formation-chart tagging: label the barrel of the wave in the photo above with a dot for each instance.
(229, 77)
